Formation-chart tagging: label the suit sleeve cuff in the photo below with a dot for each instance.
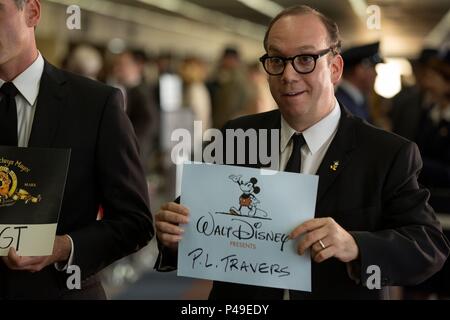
(167, 259)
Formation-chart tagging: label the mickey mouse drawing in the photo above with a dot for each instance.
(247, 201)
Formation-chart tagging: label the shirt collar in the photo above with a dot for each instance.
(28, 82)
(353, 91)
(316, 135)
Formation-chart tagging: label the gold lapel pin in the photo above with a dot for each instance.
(334, 166)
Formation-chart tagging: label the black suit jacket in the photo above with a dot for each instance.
(375, 196)
(88, 118)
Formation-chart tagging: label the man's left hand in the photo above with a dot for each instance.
(61, 252)
(327, 239)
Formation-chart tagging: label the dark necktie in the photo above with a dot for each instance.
(8, 115)
(294, 165)
(295, 161)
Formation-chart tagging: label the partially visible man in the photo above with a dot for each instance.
(433, 134)
(410, 105)
(359, 78)
(433, 140)
(55, 109)
(370, 209)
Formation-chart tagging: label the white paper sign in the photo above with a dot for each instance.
(239, 225)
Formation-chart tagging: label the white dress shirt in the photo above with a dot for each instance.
(318, 138)
(28, 84)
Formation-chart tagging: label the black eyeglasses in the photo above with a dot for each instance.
(302, 63)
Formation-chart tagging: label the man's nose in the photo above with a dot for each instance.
(289, 74)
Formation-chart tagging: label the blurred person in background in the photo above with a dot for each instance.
(359, 78)
(433, 139)
(411, 103)
(48, 107)
(86, 61)
(229, 89)
(128, 71)
(196, 96)
(168, 83)
(433, 136)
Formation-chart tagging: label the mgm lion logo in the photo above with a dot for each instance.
(8, 183)
(8, 189)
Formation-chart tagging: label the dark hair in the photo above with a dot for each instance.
(231, 51)
(334, 37)
(20, 4)
(139, 55)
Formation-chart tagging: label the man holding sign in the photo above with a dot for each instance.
(370, 211)
(44, 107)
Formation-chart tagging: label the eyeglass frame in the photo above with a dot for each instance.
(314, 56)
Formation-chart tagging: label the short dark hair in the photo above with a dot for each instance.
(20, 4)
(334, 37)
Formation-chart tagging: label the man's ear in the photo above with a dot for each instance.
(32, 13)
(337, 67)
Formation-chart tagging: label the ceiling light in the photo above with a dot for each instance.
(266, 7)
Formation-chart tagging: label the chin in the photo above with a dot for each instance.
(293, 111)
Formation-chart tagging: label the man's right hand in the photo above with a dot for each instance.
(167, 221)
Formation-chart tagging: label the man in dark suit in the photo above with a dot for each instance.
(410, 105)
(359, 78)
(370, 209)
(46, 107)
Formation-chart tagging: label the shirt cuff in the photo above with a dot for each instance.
(63, 267)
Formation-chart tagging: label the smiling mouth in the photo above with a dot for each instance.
(293, 94)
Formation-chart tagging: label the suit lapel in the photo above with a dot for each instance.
(48, 109)
(275, 123)
(338, 154)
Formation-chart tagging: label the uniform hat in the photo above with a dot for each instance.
(369, 53)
